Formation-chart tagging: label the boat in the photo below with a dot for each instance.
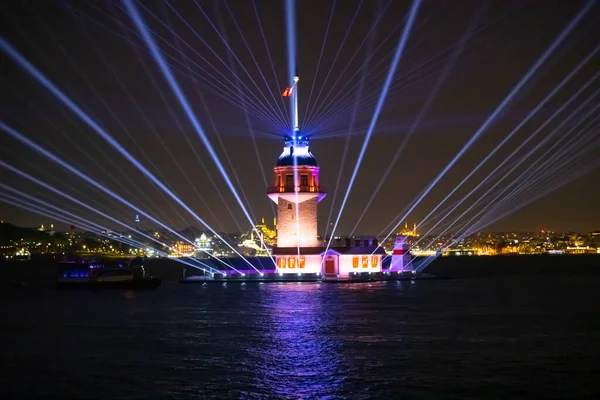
(84, 274)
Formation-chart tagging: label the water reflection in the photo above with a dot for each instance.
(303, 353)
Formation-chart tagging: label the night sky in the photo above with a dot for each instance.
(91, 50)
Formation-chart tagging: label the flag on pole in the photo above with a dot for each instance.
(288, 92)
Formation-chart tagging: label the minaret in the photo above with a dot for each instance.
(296, 189)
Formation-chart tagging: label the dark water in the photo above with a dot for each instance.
(481, 338)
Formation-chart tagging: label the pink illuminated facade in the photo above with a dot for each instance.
(297, 190)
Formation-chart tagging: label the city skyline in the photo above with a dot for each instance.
(107, 78)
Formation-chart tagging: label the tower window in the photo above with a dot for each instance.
(374, 261)
(290, 206)
(289, 181)
(304, 180)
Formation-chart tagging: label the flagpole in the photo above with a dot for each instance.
(295, 94)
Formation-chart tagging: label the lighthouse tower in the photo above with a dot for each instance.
(401, 257)
(296, 188)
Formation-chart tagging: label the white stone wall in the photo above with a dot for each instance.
(401, 259)
(287, 228)
(312, 264)
(346, 266)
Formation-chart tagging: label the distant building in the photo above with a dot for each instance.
(203, 246)
(182, 249)
(409, 233)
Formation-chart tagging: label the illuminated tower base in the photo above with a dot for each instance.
(288, 229)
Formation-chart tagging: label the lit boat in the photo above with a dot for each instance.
(91, 275)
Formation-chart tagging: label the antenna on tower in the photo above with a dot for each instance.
(295, 94)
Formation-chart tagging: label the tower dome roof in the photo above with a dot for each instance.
(296, 152)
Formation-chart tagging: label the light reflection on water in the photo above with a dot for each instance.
(301, 343)
(479, 338)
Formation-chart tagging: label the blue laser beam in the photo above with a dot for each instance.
(71, 198)
(394, 65)
(546, 99)
(41, 211)
(348, 132)
(540, 61)
(423, 111)
(536, 179)
(76, 220)
(24, 63)
(16, 135)
(525, 157)
(515, 207)
(525, 199)
(521, 146)
(143, 30)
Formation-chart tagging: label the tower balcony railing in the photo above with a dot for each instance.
(294, 189)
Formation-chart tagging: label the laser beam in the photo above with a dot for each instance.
(394, 65)
(540, 61)
(143, 30)
(16, 135)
